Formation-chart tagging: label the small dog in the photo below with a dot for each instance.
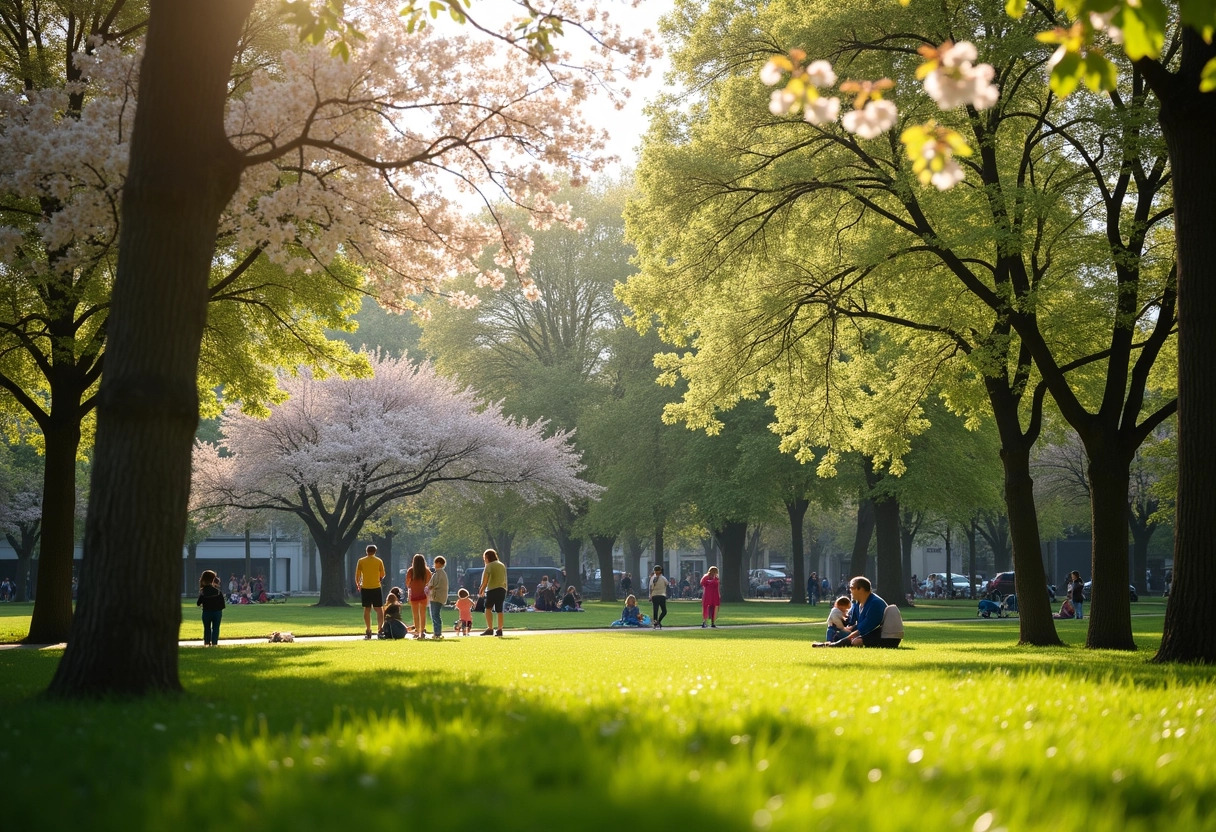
(283, 637)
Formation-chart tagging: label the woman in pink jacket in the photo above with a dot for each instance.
(711, 599)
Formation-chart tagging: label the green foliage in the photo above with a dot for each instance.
(717, 730)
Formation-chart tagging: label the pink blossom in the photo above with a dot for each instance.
(872, 120)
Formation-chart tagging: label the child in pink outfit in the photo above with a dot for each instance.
(711, 599)
(464, 604)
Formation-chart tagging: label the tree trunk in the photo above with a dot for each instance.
(572, 555)
(310, 552)
(52, 617)
(890, 578)
(972, 533)
(949, 565)
(24, 544)
(796, 509)
(861, 541)
(1142, 532)
(603, 543)
(191, 567)
(731, 539)
(1110, 612)
(334, 575)
(248, 556)
(659, 550)
(182, 173)
(633, 558)
(1035, 624)
(1188, 121)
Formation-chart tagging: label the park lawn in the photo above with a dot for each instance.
(739, 729)
(299, 616)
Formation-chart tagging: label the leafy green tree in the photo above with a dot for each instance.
(801, 240)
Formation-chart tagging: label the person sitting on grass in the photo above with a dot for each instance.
(393, 627)
(570, 601)
(631, 616)
(517, 600)
(1067, 610)
(864, 624)
(836, 619)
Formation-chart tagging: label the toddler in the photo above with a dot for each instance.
(632, 614)
(464, 604)
(836, 619)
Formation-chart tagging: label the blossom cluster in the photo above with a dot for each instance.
(950, 77)
(380, 438)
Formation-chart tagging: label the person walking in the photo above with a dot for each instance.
(711, 598)
(659, 587)
(369, 572)
(494, 589)
(211, 599)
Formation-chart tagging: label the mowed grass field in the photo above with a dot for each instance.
(299, 616)
(743, 728)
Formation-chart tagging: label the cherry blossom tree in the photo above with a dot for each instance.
(412, 110)
(340, 450)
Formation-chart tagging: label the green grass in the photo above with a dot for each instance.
(300, 617)
(744, 728)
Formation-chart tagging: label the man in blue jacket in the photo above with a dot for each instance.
(864, 623)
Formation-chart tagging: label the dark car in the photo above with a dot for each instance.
(1002, 585)
(768, 582)
(1135, 595)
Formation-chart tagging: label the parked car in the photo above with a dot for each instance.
(1002, 584)
(768, 581)
(1135, 595)
(958, 586)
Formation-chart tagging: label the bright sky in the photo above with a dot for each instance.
(625, 127)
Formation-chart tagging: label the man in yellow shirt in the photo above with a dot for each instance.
(369, 572)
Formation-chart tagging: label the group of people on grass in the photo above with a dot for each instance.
(659, 588)
(855, 623)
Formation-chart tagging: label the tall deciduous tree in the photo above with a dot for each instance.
(185, 169)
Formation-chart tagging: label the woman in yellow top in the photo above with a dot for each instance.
(494, 588)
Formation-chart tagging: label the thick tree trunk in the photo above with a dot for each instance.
(796, 509)
(660, 550)
(182, 173)
(24, 544)
(731, 539)
(572, 557)
(52, 617)
(603, 543)
(1035, 624)
(861, 540)
(1110, 612)
(890, 580)
(310, 552)
(334, 575)
(1188, 120)
(1142, 533)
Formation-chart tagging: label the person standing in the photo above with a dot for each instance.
(494, 589)
(438, 588)
(659, 587)
(1076, 591)
(369, 572)
(711, 597)
(417, 578)
(211, 599)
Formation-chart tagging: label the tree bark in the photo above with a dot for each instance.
(51, 622)
(796, 509)
(182, 173)
(731, 538)
(333, 575)
(1110, 612)
(633, 558)
(890, 578)
(1188, 121)
(603, 543)
(659, 546)
(310, 552)
(24, 544)
(861, 540)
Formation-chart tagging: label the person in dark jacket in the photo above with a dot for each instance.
(211, 599)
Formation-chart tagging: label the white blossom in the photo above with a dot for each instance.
(872, 120)
(781, 102)
(820, 74)
(771, 73)
(822, 110)
(955, 81)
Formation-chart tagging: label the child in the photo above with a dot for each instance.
(394, 627)
(836, 619)
(631, 616)
(437, 592)
(464, 604)
(212, 601)
(1067, 610)
(711, 598)
(417, 578)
